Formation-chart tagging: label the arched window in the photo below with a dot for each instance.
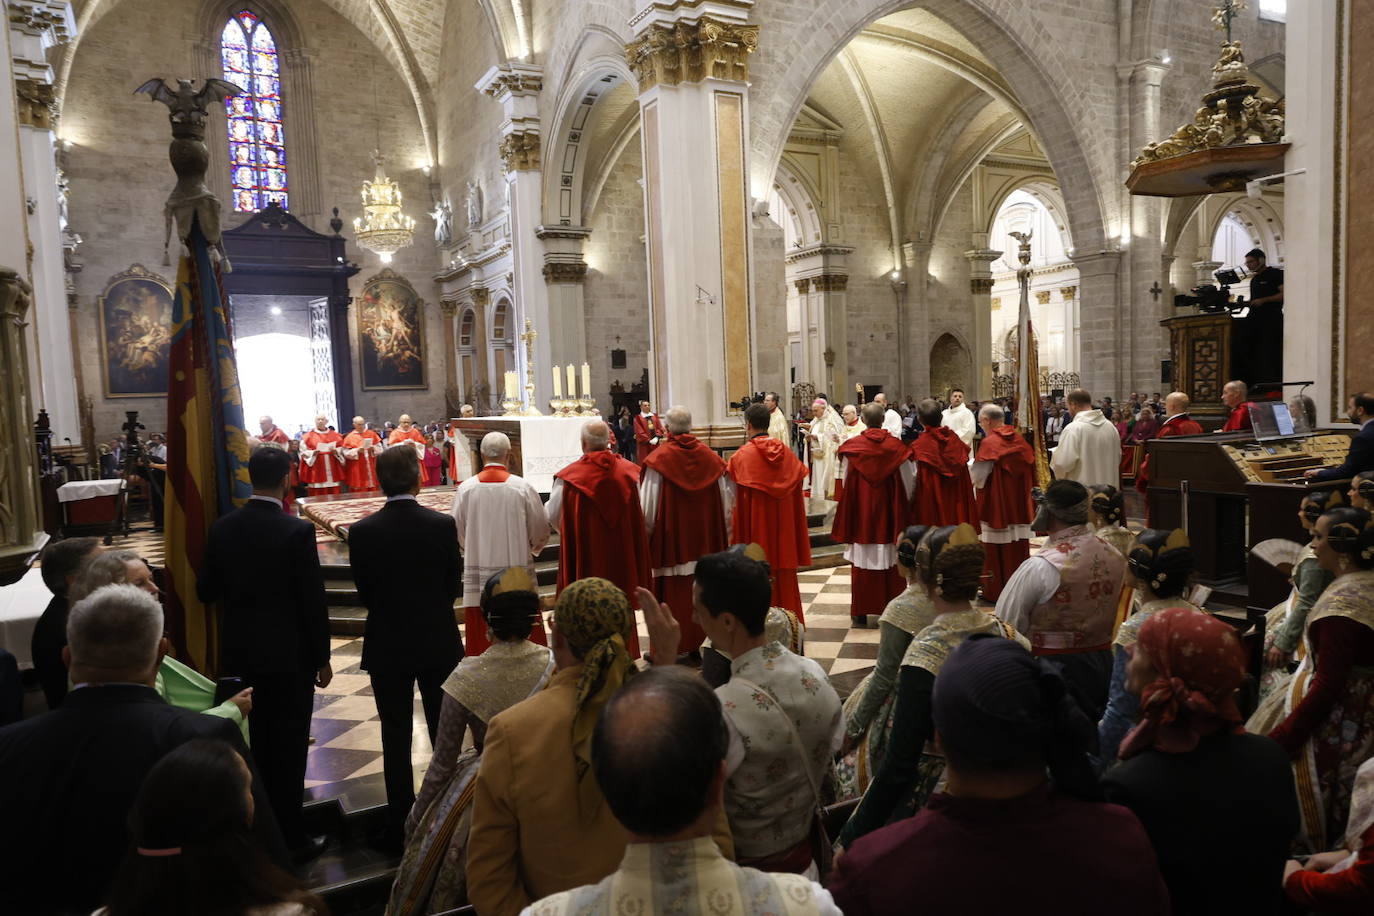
(257, 142)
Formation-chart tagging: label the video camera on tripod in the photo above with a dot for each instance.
(1210, 298)
(744, 402)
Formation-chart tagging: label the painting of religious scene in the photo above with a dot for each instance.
(136, 334)
(391, 333)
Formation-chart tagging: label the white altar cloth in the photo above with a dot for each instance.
(546, 444)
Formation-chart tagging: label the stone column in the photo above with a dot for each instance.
(1069, 295)
(811, 368)
(565, 273)
(517, 86)
(448, 309)
(21, 522)
(916, 332)
(481, 300)
(833, 303)
(1143, 338)
(691, 60)
(1099, 362)
(36, 26)
(980, 290)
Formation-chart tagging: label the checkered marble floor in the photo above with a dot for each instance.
(347, 731)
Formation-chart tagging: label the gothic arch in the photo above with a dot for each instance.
(951, 365)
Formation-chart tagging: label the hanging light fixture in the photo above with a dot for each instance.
(383, 227)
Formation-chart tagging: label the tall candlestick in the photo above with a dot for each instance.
(557, 383)
(572, 382)
(586, 380)
(512, 386)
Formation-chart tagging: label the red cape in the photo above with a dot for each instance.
(873, 507)
(1181, 425)
(1005, 499)
(1239, 420)
(601, 526)
(691, 520)
(644, 431)
(944, 489)
(768, 502)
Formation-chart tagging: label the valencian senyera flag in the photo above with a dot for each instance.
(1027, 400)
(207, 446)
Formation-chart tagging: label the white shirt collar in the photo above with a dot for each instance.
(400, 496)
(268, 499)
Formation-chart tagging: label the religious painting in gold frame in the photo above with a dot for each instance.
(135, 334)
(391, 332)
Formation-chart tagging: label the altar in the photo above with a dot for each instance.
(540, 446)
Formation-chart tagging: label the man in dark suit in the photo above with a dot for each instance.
(59, 564)
(262, 568)
(1361, 455)
(71, 776)
(412, 634)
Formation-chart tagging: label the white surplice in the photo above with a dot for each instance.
(499, 525)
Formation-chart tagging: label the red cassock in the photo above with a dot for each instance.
(1005, 504)
(646, 429)
(944, 489)
(601, 527)
(360, 471)
(401, 435)
(327, 473)
(1179, 425)
(769, 511)
(283, 441)
(873, 509)
(276, 437)
(1239, 420)
(449, 455)
(689, 524)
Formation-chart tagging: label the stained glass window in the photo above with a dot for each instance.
(257, 143)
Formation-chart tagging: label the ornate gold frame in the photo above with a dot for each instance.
(135, 272)
(387, 275)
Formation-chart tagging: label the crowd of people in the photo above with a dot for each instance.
(1027, 707)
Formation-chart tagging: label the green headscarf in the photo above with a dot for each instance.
(594, 616)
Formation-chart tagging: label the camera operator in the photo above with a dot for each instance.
(1264, 326)
(153, 466)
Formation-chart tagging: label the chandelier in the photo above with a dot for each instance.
(383, 228)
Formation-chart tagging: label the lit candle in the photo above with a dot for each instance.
(512, 388)
(586, 380)
(557, 383)
(572, 381)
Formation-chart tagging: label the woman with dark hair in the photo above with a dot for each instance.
(1341, 882)
(193, 852)
(1361, 493)
(1326, 715)
(1285, 621)
(1107, 517)
(1020, 828)
(868, 710)
(1218, 803)
(1157, 569)
(433, 876)
(949, 568)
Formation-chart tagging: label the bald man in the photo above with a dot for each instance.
(322, 464)
(1177, 422)
(1233, 396)
(595, 508)
(360, 450)
(272, 434)
(407, 431)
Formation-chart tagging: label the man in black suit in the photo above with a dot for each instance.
(59, 564)
(70, 776)
(1361, 455)
(412, 634)
(262, 568)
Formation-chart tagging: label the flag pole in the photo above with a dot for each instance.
(1027, 395)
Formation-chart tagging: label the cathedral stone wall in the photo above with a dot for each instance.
(120, 174)
(869, 300)
(947, 296)
(616, 291)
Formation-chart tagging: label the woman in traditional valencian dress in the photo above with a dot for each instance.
(1285, 621)
(1157, 569)
(949, 567)
(1107, 517)
(868, 711)
(433, 873)
(1361, 493)
(1326, 714)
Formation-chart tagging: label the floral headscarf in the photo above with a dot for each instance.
(1200, 663)
(594, 616)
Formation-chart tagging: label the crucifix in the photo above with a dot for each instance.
(1227, 11)
(1155, 291)
(528, 337)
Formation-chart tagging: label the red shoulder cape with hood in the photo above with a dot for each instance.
(691, 520)
(873, 507)
(944, 489)
(768, 502)
(1005, 499)
(601, 525)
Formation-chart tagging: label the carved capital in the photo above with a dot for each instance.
(512, 80)
(830, 283)
(1042, 296)
(52, 21)
(448, 307)
(480, 296)
(980, 285)
(565, 271)
(520, 151)
(36, 103)
(996, 303)
(689, 52)
(1068, 292)
(15, 296)
(803, 285)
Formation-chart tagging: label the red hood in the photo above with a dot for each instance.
(764, 463)
(1006, 442)
(607, 479)
(875, 454)
(686, 463)
(941, 450)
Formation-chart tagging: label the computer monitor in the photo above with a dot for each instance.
(1273, 420)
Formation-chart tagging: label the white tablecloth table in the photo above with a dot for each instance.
(21, 604)
(75, 490)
